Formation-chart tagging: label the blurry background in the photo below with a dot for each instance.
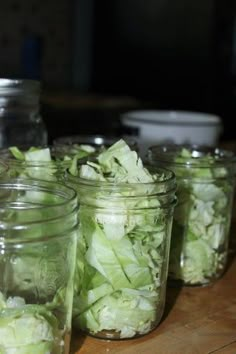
(97, 59)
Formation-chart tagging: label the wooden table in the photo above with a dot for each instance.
(200, 320)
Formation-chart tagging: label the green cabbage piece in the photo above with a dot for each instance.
(28, 329)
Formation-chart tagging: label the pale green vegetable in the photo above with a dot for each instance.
(28, 329)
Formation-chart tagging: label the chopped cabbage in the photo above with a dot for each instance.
(28, 329)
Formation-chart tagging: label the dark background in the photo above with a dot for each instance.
(96, 59)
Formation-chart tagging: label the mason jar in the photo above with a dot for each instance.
(38, 237)
(122, 255)
(20, 119)
(202, 216)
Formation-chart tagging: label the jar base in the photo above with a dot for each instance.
(179, 283)
(114, 335)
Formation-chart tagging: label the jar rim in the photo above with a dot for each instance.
(166, 153)
(168, 184)
(8, 158)
(43, 164)
(64, 203)
(41, 185)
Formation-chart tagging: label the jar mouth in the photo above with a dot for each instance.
(57, 155)
(32, 210)
(40, 164)
(200, 156)
(58, 194)
(166, 183)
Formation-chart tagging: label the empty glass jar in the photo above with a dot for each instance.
(38, 237)
(20, 119)
(202, 217)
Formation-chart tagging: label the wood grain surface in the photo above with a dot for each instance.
(199, 320)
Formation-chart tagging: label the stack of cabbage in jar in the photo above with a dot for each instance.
(205, 188)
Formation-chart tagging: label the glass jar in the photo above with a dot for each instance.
(202, 217)
(38, 237)
(20, 119)
(122, 255)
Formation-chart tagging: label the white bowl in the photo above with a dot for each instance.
(152, 127)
